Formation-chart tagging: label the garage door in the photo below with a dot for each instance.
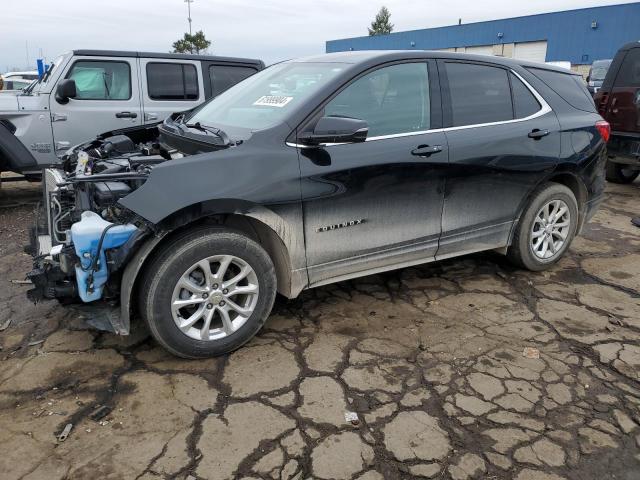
(481, 50)
(532, 51)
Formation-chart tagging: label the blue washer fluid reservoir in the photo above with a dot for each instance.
(85, 236)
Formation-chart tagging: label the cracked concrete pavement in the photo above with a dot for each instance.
(463, 369)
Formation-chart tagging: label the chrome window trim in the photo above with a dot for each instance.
(544, 109)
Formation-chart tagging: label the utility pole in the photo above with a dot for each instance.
(189, 2)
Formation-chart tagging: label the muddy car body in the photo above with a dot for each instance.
(311, 172)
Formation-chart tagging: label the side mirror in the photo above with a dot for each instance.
(65, 90)
(336, 130)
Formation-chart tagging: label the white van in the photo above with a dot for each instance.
(88, 92)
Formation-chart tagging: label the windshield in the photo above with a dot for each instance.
(598, 72)
(265, 98)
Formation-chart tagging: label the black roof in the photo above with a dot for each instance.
(629, 46)
(177, 56)
(365, 56)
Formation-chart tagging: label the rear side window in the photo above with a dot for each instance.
(479, 94)
(629, 75)
(524, 103)
(172, 81)
(224, 77)
(570, 87)
(101, 80)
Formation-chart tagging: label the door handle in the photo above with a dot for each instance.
(537, 134)
(58, 117)
(426, 150)
(126, 115)
(148, 116)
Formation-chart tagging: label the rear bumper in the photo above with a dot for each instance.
(624, 148)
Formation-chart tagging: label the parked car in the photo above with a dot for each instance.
(86, 92)
(597, 72)
(27, 75)
(315, 171)
(14, 84)
(618, 101)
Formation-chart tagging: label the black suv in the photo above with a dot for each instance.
(618, 101)
(315, 171)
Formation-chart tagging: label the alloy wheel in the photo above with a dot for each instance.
(214, 297)
(550, 229)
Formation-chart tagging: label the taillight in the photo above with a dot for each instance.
(601, 102)
(604, 129)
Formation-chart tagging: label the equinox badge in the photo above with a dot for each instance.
(336, 226)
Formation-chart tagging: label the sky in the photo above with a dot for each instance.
(271, 30)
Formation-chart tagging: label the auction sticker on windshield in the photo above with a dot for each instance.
(273, 100)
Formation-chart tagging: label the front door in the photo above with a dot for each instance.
(377, 205)
(503, 139)
(108, 98)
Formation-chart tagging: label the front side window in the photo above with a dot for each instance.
(391, 100)
(172, 81)
(266, 98)
(224, 77)
(101, 80)
(479, 94)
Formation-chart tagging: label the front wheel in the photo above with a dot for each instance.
(546, 228)
(207, 293)
(619, 173)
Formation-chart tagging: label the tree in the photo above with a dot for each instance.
(196, 43)
(381, 25)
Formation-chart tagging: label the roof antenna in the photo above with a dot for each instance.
(459, 21)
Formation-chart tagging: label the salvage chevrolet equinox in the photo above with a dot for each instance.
(315, 171)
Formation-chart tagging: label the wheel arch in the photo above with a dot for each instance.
(565, 177)
(269, 229)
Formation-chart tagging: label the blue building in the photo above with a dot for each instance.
(577, 36)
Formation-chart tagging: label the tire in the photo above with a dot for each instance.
(619, 173)
(530, 229)
(159, 292)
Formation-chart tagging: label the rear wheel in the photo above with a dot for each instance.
(546, 228)
(620, 173)
(207, 293)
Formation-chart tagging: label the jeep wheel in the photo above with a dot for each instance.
(619, 173)
(207, 293)
(546, 228)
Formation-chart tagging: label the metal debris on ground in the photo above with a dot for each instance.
(65, 433)
(531, 352)
(352, 418)
(100, 413)
(36, 342)
(5, 325)
(21, 282)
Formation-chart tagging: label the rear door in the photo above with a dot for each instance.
(107, 98)
(503, 139)
(170, 85)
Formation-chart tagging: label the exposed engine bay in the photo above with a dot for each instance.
(83, 238)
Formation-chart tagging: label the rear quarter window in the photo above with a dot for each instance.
(569, 86)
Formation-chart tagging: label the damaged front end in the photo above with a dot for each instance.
(83, 238)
